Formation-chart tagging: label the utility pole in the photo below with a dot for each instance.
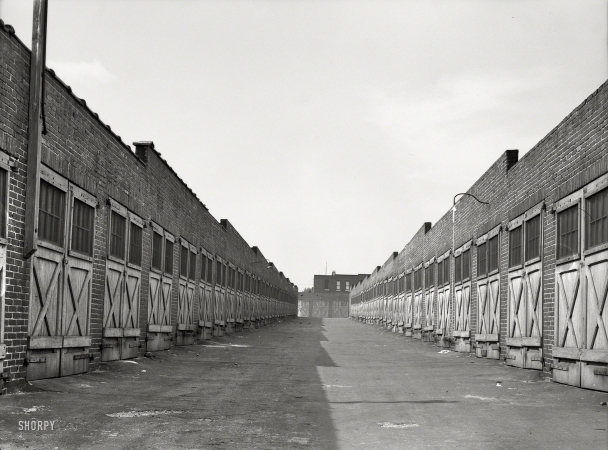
(35, 127)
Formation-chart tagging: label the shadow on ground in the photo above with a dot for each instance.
(259, 389)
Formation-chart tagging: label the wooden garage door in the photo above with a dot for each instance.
(524, 313)
(123, 284)
(60, 293)
(187, 287)
(303, 306)
(340, 308)
(320, 308)
(581, 339)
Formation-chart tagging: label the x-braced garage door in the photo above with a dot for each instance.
(4, 187)
(462, 298)
(230, 304)
(417, 302)
(525, 306)
(60, 293)
(240, 313)
(339, 308)
(429, 300)
(185, 300)
(205, 296)
(303, 306)
(488, 295)
(219, 308)
(409, 310)
(320, 308)
(160, 331)
(123, 284)
(580, 350)
(443, 298)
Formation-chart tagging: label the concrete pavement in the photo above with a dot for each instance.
(305, 383)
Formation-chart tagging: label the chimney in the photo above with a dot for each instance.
(333, 273)
(141, 150)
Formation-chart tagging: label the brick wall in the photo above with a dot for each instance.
(90, 155)
(573, 154)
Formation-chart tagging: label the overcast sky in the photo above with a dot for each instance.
(327, 132)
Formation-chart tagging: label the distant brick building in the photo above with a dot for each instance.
(329, 297)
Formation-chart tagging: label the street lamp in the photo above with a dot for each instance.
(454, 212)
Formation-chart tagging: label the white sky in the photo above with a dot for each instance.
(327, 131)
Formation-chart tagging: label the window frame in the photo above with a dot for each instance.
(122, 211)
(428, 268)
(138, 222)
(589, 191)
(495, 233)
(90, 200)
(514, 225)
(191, 270)
(158, 230)
(458, 270)
(571, 201)
(168, 237)
(62, 184)
(466, 248)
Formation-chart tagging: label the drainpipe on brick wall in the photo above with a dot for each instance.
(35, 124)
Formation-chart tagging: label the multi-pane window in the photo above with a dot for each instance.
(458, 269)
(83, 217)
(51, 213)
(515, 246)
(446, 271)
(408, 282)
(567, 232)
(218, 272)
(532, 234)
(347, 285)
(493, 254)
(192, 266)
(418, 279)
(135, 244)
(466, 264)
(168, 256)
(183, 262)
(209, 270)
(596, 219)
(204, 263)
(337, 285)
(440, 273)
(428, 275)
(482, 259)
(117, 235)
(157, 251)
(3, 201)
(326, 286)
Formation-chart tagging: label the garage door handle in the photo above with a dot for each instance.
(601, 372)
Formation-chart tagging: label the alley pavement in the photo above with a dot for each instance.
(305, 383)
